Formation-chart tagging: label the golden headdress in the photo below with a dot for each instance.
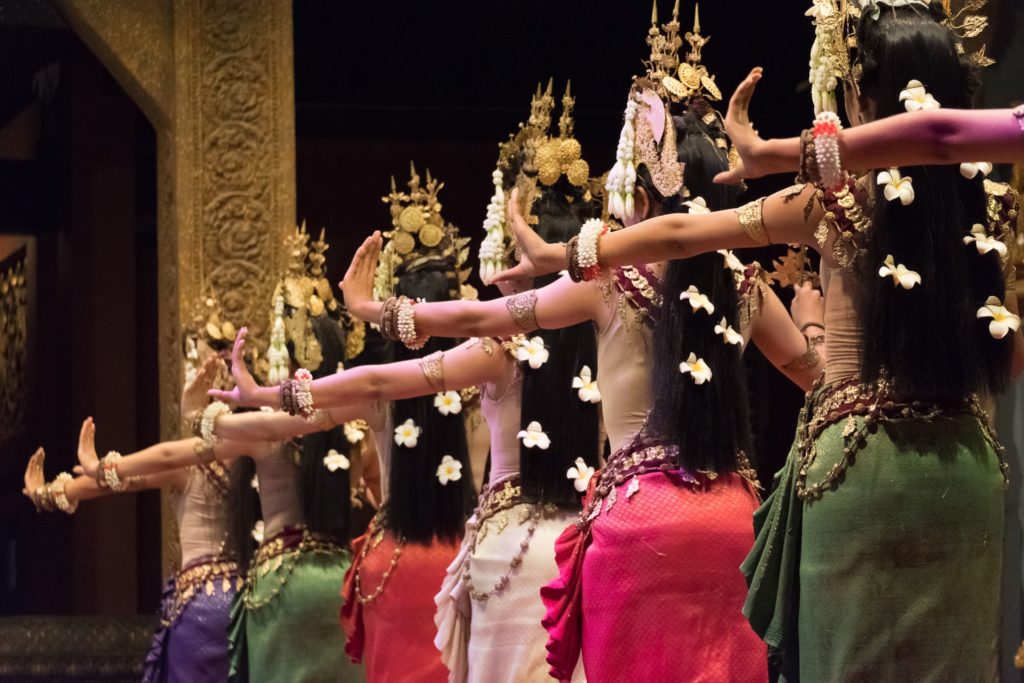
(530, 156)
(205, 327)
(648, 134)
(421, 238)
(834, 56)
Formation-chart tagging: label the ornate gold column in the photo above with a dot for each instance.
(215, 78)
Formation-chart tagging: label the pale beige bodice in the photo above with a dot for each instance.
(279, 491)
(845, 336)
(502, 406)
(202, 518)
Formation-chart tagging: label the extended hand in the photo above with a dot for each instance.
(89, 462)
(537, 256)
(741, 131)
(194, 397)
(357, 285)
(244, 393)
(34, 477)
(808, 306)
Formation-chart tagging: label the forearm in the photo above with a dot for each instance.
(370, 383)
(85, 488)
(463, 319)
(262, 426)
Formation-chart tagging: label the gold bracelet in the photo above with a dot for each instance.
(522, 307)
(433, 369)
(807, 359)
(752, 219)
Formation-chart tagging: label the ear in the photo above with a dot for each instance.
(641, 204)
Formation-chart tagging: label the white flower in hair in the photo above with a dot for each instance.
(257, 532)
(448, 403)
(697, 205)
(534, 437)
(917, 98)
(969, 169)
(580, 475)
(697, 300)
(335, 461)
(354, 432)
(255, 483)
(983, 241)
(588, 391)
(450, 469)
(532, 351)
(896, 186)
(1002, 321)
(730, 335)
(731, 261)
(696, 368)
(900, 274)
(407, 434)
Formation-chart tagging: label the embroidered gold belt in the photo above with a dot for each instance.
(204, 575)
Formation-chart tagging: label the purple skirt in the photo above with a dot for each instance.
(191, 645)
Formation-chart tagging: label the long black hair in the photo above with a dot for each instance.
(547, 394)
(679, 415)
(926, 339)
(325, 497)
(419, 508)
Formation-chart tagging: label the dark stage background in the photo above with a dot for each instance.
(377, 84)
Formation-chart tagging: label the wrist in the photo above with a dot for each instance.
(367, 311)
(267, 396)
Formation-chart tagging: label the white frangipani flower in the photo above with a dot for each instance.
(257, 532)
(696, 368)
(335, 461)
(407, 434)
(900, 274)
(588, 391)
(731, 261)
(450, 469)
(730, 335)
(448, 403)
(970, 169)
(896, 186)
(534, 437)
(697, 205)
(532, 351)
(984, 242)
(917, 98)
(1002, 320)
(255, 483)
(580, 475)
(354, 431)
(697, 300)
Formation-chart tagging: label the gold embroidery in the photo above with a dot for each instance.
(433, 369)
(522, 307)
(752, 219)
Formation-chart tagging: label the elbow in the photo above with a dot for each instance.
(941, 133)
(376, 387)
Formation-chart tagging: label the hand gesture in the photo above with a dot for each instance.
(357, 285)
(808, 306)
(194, 397)
(537, 256)
(244, 392)
(741, 131)
(89, 462)
(34, 477)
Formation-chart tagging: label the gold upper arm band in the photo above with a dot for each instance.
(433, 369)
(522, 307)
(752, 219)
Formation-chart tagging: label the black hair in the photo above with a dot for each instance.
(547, 394)
(681, 408)
(927, 339)
(324, 496)
(419, 508)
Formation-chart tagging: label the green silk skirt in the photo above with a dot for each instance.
(285, 623)
(892, 572)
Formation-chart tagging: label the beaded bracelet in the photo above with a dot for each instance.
(406, 323)
(209, 421)
(388, 313)
(302, 393)
(107, 476)
(42, 498)
(59, 495)
(571, 263)
(826, 150)
(808, 162)
(587, 248)
(287, 397)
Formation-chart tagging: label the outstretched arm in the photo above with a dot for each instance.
(938, 136)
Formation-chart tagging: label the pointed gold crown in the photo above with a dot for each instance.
(420, 236)
(208, 324)
(672, 78)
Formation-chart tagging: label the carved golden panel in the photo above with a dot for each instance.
(13, 345)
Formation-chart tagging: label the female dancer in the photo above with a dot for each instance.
(916, 330)
(676, 491)
(191, 643)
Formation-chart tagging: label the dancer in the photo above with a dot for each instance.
(661, 518)
(917, 329)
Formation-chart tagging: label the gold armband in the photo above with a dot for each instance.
(522, 307)
(752, 219)
(433, 369)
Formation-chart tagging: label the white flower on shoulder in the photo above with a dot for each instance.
(917, 98)
(255, 483)
(697, 300)
(731, 261)
(1002, 321)
(257, 532)
(407, 434)
(534, 437)
(730, 335)
(448, 403)
(354, 431)
(450, 469)
(900, 274)
(532, 351)
(580, 475)
(696, 368)
(969, 169)
(697, 205)
(335, 461)
(588, 391)
(983, 241)
(897, 186)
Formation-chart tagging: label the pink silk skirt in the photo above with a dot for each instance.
(652, 591)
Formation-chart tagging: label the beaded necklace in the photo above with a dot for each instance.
(375, 532)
